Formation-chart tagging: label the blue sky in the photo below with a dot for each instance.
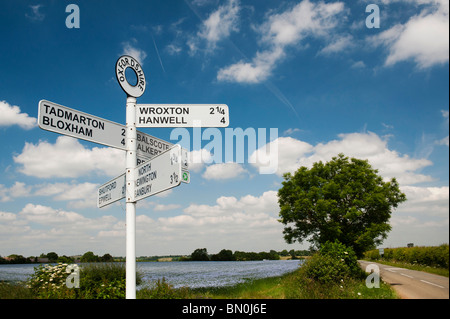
(311, 69)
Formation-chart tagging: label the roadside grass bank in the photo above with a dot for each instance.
(332, 273)
(432, 270)
(290, 286)
(432, 259)
(293, 285)
(15, 291)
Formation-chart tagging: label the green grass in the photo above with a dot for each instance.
(289, 286)
(293, 285)
(266, 288)
(15, 291)
(432, 270)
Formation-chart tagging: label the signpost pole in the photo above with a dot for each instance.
(131, 136)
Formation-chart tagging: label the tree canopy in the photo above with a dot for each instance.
(343, 199)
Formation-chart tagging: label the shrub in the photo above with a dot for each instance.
(49, 282)
(343, 254)
(326, 269)
(434, 256)
(97, 281)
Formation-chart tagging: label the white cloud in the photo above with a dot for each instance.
(289, 156)
(162, 208)
(11, 115)
(68, 158)
(306, 19)
(256, 71)
(444, 141)
(223, 171)
(293, 153)
(19, 189)
(217, 27)
(220, 23)
(358, 65)
(424, 38)
(36, 14)
(7, 217)
(129, 48)
(247, 223)
(198, 158)
(291, 131)
(63, 231)
(423, 218)
(339, 44)
(49, 216)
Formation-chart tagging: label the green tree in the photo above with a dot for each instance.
(200, 254)
(89, 257)
(223, 255)
(344, 199)
(52, 257)
(107, 258)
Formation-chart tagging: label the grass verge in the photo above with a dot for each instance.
(293, 285)
(104, 282)
(432, 270)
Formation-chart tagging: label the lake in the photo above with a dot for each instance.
(191, 274)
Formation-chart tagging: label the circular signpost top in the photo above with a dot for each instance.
(124, 62)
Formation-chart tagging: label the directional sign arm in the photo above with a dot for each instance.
(182, 115)
(63, 120)
(160, 173)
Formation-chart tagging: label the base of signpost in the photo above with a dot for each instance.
(131, 252)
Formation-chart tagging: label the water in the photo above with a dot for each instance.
(214, 274)
(16, 272)
(192, 274)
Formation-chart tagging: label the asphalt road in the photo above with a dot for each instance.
(412, 284)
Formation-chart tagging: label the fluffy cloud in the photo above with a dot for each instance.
(129, 48)
(217, 26)
(37, 226)
(291, 27)
(11, 115)
(423, 218)
(220, 23)
(424, 38)
(47, 215)
(224, 171)
(36, 14)
(235, 223)
(198, 158)
(68, 158)
(293, 153)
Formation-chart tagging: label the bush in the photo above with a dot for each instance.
(326, 269)
(49, 282)
(97, 281)
(332, 263)
(342, 253)
(434, 256)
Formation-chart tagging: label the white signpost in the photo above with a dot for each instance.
(160, 173)
(149, 146)
(61, 119)
(182, 115)
(112, 191)
(152, 165)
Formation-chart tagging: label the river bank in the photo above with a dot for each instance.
(219, 280)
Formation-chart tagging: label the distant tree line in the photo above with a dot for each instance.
(53, 257)
(201, 254)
